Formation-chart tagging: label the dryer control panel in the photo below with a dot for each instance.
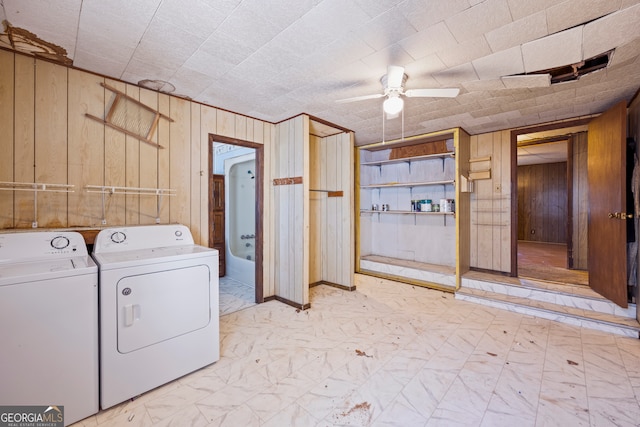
(141, 237)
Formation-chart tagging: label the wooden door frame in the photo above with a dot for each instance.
(259, 150)
(514, 179)
(570, 262)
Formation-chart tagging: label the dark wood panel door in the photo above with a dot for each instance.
(542, 202)
(216, 231)
(606, 170)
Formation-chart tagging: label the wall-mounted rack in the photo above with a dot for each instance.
(131, 117)
(36, 187)
(113, 190)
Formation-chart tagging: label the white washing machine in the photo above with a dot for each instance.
(48, 322)
(159, 313)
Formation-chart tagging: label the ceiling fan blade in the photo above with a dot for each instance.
(395, 76)
(433, 93)
(360, 98)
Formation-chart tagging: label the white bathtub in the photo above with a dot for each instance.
(240, 217)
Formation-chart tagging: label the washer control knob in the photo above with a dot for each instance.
(178, 233)
(118, 237)
(59, 242)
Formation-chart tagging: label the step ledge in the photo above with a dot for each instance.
(602, 325)
(629, 312)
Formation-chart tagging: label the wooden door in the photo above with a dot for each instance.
(216, 231)
(606, 170)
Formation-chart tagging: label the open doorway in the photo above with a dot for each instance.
(553, 206)
(235, 220)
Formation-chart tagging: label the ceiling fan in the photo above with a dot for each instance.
(393, 85)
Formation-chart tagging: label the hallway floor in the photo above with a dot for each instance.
(392, 354)
(548, 261)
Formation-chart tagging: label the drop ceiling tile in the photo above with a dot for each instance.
(611, 31)
(522, 8)
(203, 18)
(519, 105)
(190, 83)
(428, 41)
(479, 19)
(392, 55)
(472, 123)
(166, 43)
(559, 98)
(99, 63)
(137, 70)
(282, 13)
(422, 69)
(471, 99)
(626, 52)
(520, 94)
(523, 30)
(371, 8)
(455, 76)
(556, 50)
(385, 29)
(557, 114)
(503, 63)
(483, 85)
(358, 74)
(423, 14)
(527, 81)
(221, 45)
(131, 17)
(205, 63)
(322, 19)
(248, 27)
(570, 13)
(345, 50)
(486, 112)
(465, 52)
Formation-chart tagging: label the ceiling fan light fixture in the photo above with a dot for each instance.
(393, 105)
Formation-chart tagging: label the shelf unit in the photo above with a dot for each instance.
(410, 184)
(402, 244)
(36, 187)
(111, 190)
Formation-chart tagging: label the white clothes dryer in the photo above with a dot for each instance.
(159, 313)
(48, 322)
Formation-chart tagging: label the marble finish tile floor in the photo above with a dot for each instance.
(235, 295)
(391, 354)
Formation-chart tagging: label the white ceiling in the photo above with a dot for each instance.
(274, 59)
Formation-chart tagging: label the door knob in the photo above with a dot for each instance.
(620, 215)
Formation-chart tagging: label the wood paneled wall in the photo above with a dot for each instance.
(331, 235)
(45, 137)
(542, 202)
(490, 234)
(290, 205)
